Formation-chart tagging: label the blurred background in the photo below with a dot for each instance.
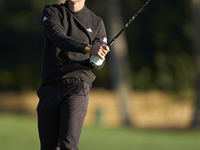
(147, 95)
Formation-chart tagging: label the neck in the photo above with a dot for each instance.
(76, 6)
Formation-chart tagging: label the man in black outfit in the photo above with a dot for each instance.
(72, 34)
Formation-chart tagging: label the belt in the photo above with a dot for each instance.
(65, 81)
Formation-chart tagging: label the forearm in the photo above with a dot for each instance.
(68, 44)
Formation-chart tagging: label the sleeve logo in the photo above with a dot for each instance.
(44, 18)
(105, 40)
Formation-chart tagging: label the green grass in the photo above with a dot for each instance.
(135, 139)
(19, 132)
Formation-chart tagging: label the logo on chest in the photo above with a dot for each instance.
(89, 30)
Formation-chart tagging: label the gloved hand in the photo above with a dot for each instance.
(96, 60)
(98, 54)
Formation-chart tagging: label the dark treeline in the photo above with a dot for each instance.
(159, 42)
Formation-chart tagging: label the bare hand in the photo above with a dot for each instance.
(100, 51)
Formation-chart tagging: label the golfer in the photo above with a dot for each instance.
(72, 34)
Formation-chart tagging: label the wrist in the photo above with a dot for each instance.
(88, 49)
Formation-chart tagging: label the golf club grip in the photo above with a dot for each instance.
(128, 23)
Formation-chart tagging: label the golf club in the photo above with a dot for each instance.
(96, 60)
(128, 23)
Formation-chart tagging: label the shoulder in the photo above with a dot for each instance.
(93, 16)
(55, 8)
(51, 7)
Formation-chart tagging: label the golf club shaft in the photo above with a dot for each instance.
(128, 23)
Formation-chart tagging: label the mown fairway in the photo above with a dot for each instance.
(19, 132)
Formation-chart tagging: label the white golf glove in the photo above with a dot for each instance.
(96, 60)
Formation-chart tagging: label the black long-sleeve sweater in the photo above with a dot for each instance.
(66, 34)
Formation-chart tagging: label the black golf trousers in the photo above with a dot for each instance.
(61, 112)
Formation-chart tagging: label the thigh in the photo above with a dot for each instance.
(48, 127)
(73, 112)
(48, 117)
